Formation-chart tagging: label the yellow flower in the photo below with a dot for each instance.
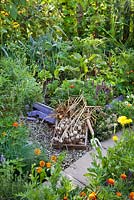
(54, 158)
(37, 152)
(123, 120)
(92, 196)
(15, 25)
(128, 121)
(4, 134)
(4, 13)
(115, 138)
(21, 11)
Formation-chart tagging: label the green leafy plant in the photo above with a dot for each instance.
(105, 125)
(125, 107)
(17, 87)
(56, 186)
(13, 138)
(94, 93)
(12, 179)
(112, 176)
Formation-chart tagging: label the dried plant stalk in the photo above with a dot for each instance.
(76, 117)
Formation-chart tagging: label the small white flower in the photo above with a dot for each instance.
(115, 124)
(126, 102)
(127, 96)
(132, 96)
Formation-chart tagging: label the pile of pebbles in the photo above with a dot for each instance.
(42, 134)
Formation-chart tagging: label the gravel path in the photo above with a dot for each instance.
(42, 134)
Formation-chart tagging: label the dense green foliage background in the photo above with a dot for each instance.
(58, 40)
(51, 50)
(99, 18)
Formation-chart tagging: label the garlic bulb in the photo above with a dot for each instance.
(62, 126)
(79, 128)
(77, 136)
(61, 140)
(71, 134)
(75, 132)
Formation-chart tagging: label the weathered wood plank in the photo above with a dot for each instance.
(44, 116)
(43, 108)
(70, 146)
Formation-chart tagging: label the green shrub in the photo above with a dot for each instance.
(125, 62)
(17, 87)
(12, 179)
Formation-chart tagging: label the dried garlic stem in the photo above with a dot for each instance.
(80, 114)
(90, 128)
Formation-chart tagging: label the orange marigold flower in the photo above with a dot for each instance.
(54, 158)
(92, 196)
(15, 124)
(82, 194)
(39, 169)
(110, 181)
(123, 176)
(37, 152)
(65, 198)
(118, 194)
(42, 163)
(48, 165)
(128, 104)
(71, 86)
(131, 196)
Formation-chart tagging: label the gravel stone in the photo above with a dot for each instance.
(42, 133)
